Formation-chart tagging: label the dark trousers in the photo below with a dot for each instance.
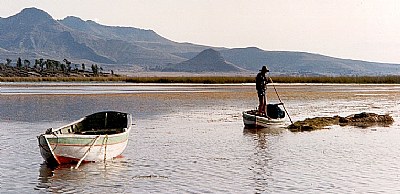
(261, 102)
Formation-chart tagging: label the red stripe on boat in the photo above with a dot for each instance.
(67, 160)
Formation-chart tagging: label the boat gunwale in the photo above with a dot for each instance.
(83, 136)
(57, 131)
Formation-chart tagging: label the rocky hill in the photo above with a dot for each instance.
(34, 34)
(208, 60)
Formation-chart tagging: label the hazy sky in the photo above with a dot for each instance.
(355, 29)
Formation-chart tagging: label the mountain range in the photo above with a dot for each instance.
(33, 34)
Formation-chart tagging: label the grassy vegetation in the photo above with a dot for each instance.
(205, 80)
(213, 80)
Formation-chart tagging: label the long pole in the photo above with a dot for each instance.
(280, 100)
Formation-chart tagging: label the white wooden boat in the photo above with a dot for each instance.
(98, 137)
(275, 118)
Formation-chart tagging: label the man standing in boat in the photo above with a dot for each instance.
(261, 82)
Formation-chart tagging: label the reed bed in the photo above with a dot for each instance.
(213, 79)
(340, 79)
(204, 80)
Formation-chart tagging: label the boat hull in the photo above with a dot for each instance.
(71, 149)
(62, 146)
(256, 121)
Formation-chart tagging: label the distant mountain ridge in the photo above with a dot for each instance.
(302, 63)
(128, 34)
(33, 34)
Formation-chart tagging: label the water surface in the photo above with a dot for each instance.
(191, 139)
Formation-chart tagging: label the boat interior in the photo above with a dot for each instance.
(100, 123)
(273, 111)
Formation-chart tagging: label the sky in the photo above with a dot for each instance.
(351, 29)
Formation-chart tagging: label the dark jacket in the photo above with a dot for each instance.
(261, 82)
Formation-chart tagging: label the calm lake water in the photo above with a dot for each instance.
(191, 139)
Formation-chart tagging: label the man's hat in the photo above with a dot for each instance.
(264, 69)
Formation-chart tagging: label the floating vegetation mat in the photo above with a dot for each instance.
(360, 120)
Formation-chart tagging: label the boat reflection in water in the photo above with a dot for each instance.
(262, 158)
(93, 177)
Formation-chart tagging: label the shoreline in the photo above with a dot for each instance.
(211, 79)
(121, 88)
